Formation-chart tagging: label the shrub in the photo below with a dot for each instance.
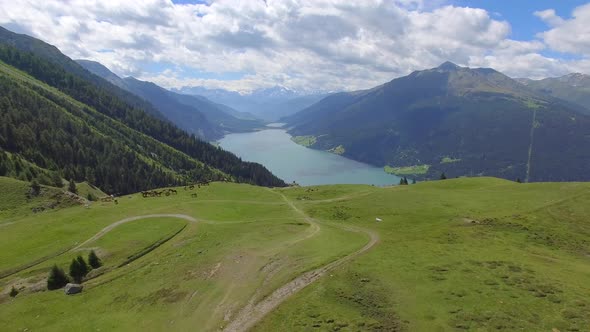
(72, 187)
(13, 292)
(35, 188)
(57, 278)
(56, 179)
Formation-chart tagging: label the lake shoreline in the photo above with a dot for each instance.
(274, 148)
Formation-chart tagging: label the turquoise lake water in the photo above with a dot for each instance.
(274, 149)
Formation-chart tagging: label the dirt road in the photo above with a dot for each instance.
(252, 313)
(110, 227)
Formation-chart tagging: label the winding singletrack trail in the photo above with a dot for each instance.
(252, 313)
(110, 227)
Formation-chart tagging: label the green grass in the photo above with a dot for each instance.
(466, 254)
(248, 242)
(449, 160)
(18, 200)
(84, 189)
(461, 254)
(407, 170)
(337, 150)
(306, 141)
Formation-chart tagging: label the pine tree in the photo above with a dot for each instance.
(443, 176)
(83, 265)
(35, 187)
(57, 278)
(78, 269)
(72, 187)
(93, 260)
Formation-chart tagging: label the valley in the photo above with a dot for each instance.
(486, 253)
(264, 166)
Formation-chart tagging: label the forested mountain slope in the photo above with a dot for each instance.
(65, 123)
(574, 88)
(456, 120)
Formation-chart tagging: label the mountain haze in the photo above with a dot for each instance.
(196, 115)
(268, 104)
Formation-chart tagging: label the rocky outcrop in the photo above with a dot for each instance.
(73, 289)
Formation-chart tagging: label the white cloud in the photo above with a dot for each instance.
(568, 35)
(549, 16)
(301, 44)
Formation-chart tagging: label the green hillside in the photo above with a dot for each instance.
(476, 254)
(67, 124)
(486, 122)
(19, 199)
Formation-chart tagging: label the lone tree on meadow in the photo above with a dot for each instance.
(93, 260)
(78, 269)
(443, 176)
(57, 278)
(72, 187)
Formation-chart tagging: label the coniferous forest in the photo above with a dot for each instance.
(83, 131)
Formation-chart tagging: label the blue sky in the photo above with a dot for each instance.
(519, 13)
(309, 45)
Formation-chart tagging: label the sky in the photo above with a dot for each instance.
(308, 45)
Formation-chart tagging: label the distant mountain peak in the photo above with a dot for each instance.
(575, 79)
(447, 65)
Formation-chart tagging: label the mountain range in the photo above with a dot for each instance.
(59, 120)
(453, 120)
(195, 114)
(269, 104)
(574, 88)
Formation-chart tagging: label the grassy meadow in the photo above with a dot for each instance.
(478, 254)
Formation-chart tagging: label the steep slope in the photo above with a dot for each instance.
(574, 88)
(196, 115)
(51, 54)
(268, 104)
(184, 116)
(63, 122)
(455, 120)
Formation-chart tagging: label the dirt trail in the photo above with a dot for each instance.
(96, 236)
(252, 313)
(110, 227)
